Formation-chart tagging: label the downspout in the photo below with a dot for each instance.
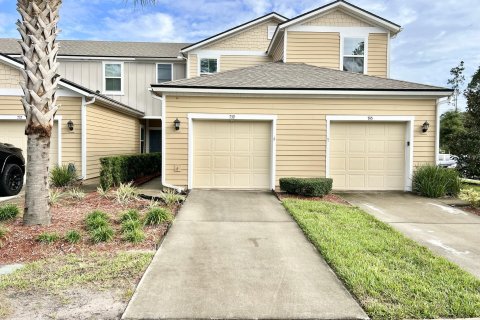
(162, 117)
(84, 134)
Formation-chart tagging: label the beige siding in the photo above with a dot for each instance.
(138, 76)
(301, 128)
(70, 109)
(235, 62)
(277, 53)
(9, 77)
(336, 18)
(315, 48)
(254, 38)
(377, 54)
(193, 69)
(109, 133)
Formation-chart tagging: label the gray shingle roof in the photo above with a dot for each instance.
(278, 75)
(105, 48)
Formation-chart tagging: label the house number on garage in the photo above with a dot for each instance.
(369, 118)
(232, 117)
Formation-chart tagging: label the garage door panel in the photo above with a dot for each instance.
(241, 154)
(374, 156)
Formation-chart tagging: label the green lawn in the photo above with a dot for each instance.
(392, 277)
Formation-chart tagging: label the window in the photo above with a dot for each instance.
(164, 72)
(271, 32)
(142, 139)
(353, 54)
(208, 66)
(113, 72)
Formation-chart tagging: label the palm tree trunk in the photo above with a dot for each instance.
(38, 29)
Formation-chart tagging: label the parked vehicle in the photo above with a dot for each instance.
(447, 160)
(12, 169)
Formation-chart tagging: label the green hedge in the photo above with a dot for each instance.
(120, 169)
(310, 187)
(434, 182)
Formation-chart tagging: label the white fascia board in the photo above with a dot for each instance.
(304, 92)
(234, 30)
(346, 31)
(75, 89)
(12, 63)
(217, 53)
(65, 57)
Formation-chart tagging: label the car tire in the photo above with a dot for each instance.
(11, 180)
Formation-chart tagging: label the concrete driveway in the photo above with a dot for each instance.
(450, 232)
(238, 255)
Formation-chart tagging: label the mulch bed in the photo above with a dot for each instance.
(20, 244)
(472, 210)
(329, 197)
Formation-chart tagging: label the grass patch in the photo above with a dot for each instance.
(135, 235)
(96, 219)
(158, 216)
(73, 237)
(102, 234)
(130, 214)
(48, 237)
(67, 271)
(392, 276)
(8, 211)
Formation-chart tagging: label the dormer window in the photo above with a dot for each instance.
(353, 54)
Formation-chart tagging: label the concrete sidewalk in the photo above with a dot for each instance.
(448, 231)
(239, 255)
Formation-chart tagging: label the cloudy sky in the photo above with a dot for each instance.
(436, 35)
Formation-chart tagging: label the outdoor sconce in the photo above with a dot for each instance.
(425, 126)
(70, 125)
(176, 123)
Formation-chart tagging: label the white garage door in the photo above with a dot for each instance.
(367, 155)
(231, 154)
(13, 132)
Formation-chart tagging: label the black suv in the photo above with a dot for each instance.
(12, 170)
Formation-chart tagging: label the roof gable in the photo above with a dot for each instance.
(235, 30)
(336, 18)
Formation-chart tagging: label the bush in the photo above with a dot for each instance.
(121, 169)
(471, 196)
(76, 193)
(96, 219)
(126, 193)
(102, 192)
(135, 235)
(47, 237)
(73, 236)
(158, 216)
(131, 214)
(309, 187)
(130, 225)
(8, 211)
(102, 234)
(63, 176)
(433, 182)
(171, 197)
(54, 196)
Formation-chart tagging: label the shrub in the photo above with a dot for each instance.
(3, 234)
(157, 216)
(96, 219)
(121, 169)
(130, 225)
(102, 192)
(102, 234)
(73, 236)
(171, 197)
(310, 187)
(47, 237)
(8, 211)
(135, 235)
(126, 193)
(434, 182)
(54, 196)
(130, 214)
(471, 196)
(63, 176)
(76, 193)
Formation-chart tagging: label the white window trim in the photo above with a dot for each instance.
(122, 77)
(58, 118)
(140, 136)
(199, 59)
(365, 49)
(156, 71)
(409, 137)
(251, 117)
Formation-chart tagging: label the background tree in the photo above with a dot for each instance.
(451, 124)
(466, 145)
(456, 81)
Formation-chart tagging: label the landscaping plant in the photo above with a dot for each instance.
(76, 193)
(3, 234)
(54, 196)
(102, 192)
(96, 219)
(157, 216)
(135, 235)
(434, 181)
(170, 197)
(309, 187)
(130, 225)
(126, 193)
(73, 236)
(472, 196)
(48, 237)
(62, 176)
(131, 214)
(8, 211)
(102, 234)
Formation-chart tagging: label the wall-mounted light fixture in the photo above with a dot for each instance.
(176, 123)
(70, 125)
(425, 126)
